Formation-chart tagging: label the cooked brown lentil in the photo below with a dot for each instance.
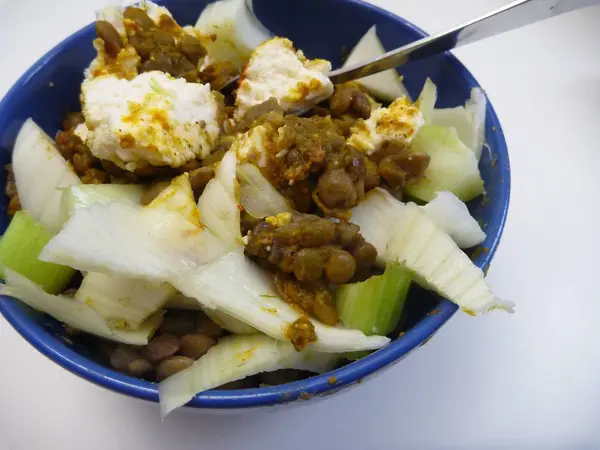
(172, 365)
(161, 347)
(195, 345)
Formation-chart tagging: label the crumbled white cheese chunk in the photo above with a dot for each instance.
(398, 122)
(151, 119)
(276, 69)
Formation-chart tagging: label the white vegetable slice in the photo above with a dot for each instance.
(234, 358)
(453, 166)
(235, 285)
(476, 108)
(231, 32)
(219, 205)
(452, 215)
(127, 302)
(119, 239)
(123, 302)
(415, 240)
(132, 241)
(386, 85)
(259, 198)
(178, 198)
(41, 173)
(84, 195)
(468, 120)
(73, 312)
(427, 99)
(228, 322)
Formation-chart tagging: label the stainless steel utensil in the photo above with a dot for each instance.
(516, 14)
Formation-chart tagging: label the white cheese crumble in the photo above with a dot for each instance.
(276, 69)
(151, 119)
(254, 145)
(398, 122)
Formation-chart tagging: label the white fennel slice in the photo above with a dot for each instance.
(385, 85)
(235, 285)
(41, 174)
(453, 216)
(235, 358)
(415, 240)
(219, 203)
(74, 313)
(131, 241)
(468, 120)
(85, 195)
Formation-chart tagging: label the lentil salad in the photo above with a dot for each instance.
(350, 160)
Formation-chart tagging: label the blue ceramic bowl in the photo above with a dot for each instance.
(50, 88)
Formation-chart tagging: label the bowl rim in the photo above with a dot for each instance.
(326, 383)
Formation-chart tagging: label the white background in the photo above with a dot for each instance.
(531, 380)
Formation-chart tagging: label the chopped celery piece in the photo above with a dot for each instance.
(20, 247)
(375, 305)
(85, 195)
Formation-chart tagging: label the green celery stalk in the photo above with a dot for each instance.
(20, 247)
(375, 305)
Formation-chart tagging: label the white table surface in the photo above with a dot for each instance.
(531, 380)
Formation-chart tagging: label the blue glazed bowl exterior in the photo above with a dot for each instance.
(50, 88)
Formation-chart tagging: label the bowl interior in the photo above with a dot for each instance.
(325, 29)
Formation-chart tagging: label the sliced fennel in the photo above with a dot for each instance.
(452, 216)
(122, 240)
(453, 166)
(219, 205)
(468, 120)
(234, 358)
(427, 99)
(235, 285)
(85, 195)
(20, 247)
(259, 198)
(41, 173)
(127, 302)
(386, 85)
(405, 233)
(72, 312)
(178, 197)
(230, 31)
(130, 241)
(374, 306)
(228, 322)
(123, 302)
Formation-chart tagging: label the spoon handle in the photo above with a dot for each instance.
(514, 15)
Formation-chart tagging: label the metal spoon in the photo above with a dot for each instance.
(516, 14)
